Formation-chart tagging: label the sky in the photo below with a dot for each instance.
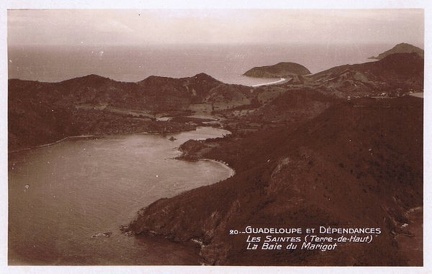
(72, 27)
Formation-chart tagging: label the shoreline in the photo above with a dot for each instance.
(280, 81)
(88, 136)
(225, 165)
(57, 142)
(186, 250)
(417, 95)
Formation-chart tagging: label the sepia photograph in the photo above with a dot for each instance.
(259, 137)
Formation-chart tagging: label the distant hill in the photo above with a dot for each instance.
(196, 86)
(400, 48)
(280, 70)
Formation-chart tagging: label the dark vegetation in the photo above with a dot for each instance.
(357, 164)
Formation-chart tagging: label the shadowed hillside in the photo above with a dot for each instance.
(341, 169)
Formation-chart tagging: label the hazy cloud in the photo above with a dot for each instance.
(130, 27)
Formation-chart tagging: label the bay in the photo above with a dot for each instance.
(64, 197)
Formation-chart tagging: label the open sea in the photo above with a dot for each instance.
(226, 63)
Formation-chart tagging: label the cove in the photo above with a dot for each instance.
(67, 201)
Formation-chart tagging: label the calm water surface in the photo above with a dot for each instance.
(226, 63)
(62, 195)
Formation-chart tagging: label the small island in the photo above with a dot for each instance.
(280, 70)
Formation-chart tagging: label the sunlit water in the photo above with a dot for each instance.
(62, 195)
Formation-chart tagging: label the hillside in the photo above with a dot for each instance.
(394, 75)
(400, 48)
(41, 113)
(341, 169)
(280, 70)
